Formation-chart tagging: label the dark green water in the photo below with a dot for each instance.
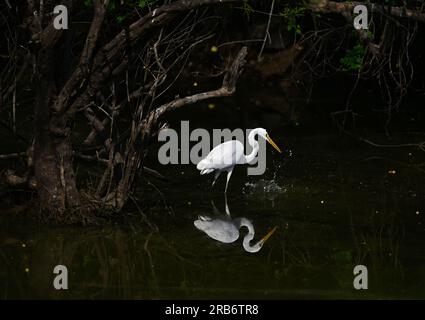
(335, 204)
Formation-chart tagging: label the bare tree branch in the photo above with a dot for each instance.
(228, 88)
(110, 52)
(340, 7)
(14, 155)
(10, 90)
(82, 69)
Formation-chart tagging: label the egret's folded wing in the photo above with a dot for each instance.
(224, 155)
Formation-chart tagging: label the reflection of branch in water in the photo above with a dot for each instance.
(104, 270)
(112, 261)
(293, 255)
(152, 226)
(379, 244)
(151, 264)
(174, 252)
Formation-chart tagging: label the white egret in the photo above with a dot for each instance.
(226, 230)
(226, 155)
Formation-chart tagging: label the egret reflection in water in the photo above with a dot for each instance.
(226, 230)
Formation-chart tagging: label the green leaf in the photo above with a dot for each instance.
(353, 60)
(291, 16)
(143, 3)
(247, 9)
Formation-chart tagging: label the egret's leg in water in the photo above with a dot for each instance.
(216, 174)
(229, 174)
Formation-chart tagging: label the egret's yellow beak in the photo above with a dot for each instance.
(268, 235)
(269, 140)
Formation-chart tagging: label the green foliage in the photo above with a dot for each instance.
(247, 9)
(291, 16)
(120, 11)
(140, 4)
(120, 19)
(143, 3)
(353, 60)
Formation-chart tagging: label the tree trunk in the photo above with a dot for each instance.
(56, 183)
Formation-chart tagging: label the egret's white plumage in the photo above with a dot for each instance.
(226, 230)
(226, 155)
(221, 229)
(222, 157)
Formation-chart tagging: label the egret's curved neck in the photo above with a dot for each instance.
(254, 144)
(243, 222)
